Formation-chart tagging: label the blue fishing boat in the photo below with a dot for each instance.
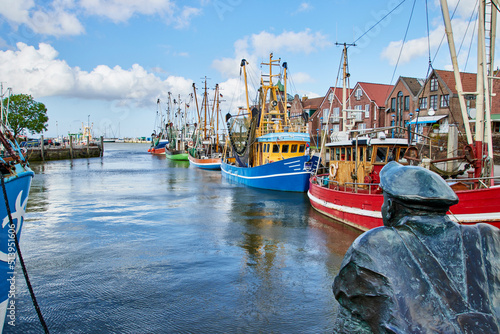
(15, 182)
(265, 149)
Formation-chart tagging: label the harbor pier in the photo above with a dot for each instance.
(69, 150)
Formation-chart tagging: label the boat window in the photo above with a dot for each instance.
(268, 147)
(294, 148)
(392, 154)
(302, 148)
(369, 151)
(284, 149)
(361, 154)
(276, 148)
(348, 154)
(381, 154)
(337, 153)
(342, 153)
(402, 152)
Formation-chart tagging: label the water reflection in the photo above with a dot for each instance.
(140, 243)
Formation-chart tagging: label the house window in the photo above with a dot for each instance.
(361, 127)
(330, 97)
(367, 111)
(336, 127)
(445, 101)
(434, 84)
(336, 112)
(325, 115)
(359, 93)
(423, 103)
(407, 103)
(393, 104)
(433, 102)
(359, 114)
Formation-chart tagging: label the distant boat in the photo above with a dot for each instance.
(205, 150)
(177, 133)
(269, 152)
(16, 177)
(159, 136)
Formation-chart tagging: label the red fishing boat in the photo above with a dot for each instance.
(348, 190)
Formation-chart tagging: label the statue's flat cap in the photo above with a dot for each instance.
(416, 185)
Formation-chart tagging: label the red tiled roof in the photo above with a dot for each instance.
(312, 103)
(468, 80)
(376, 92)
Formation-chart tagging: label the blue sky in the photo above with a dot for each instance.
(108, 61)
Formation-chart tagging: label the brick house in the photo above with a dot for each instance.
(369, 99)
(318, 121)
(439, 103)
(401, 103)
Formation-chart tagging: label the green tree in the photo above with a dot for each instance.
(25, 114)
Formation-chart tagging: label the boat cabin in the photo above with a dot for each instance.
(279, 146)
(358, 162)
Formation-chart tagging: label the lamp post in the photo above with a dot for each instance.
(392, 124)
(317, 137)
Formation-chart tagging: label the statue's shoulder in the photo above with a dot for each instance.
(371, 245)
(374, 236)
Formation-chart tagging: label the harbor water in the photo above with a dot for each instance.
(135, 243)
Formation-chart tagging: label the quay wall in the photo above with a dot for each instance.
(61, 153)
(66, 151)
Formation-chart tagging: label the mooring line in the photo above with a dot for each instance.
(21, 260)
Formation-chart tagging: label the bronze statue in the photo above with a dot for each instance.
(421, 272)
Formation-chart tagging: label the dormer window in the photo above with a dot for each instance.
(359, 93)
(434, 84)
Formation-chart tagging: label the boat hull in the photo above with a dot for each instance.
(210, 164)
(290, 174)
(17, 188)
(177, 155)
(157, 151)
(363, 211)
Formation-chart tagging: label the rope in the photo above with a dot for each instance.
(21, 260)
(404, 40)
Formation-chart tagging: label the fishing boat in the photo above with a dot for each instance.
(206, 151)
(348, 190)
(159, 138)
(16, 177)
(264, 149)
(177, 132)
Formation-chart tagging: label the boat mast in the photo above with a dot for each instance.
(458, 80)
(205, 100)
(243, 64)
(196, 102)
(344, 91)
(217, 116)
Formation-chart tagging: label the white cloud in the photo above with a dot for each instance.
(259, 46)
(55, 20)
(302, 77)
(122, 10)
(61, 17)
(38, 72)
(419, 47)
(256, 48)
(303, 7)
